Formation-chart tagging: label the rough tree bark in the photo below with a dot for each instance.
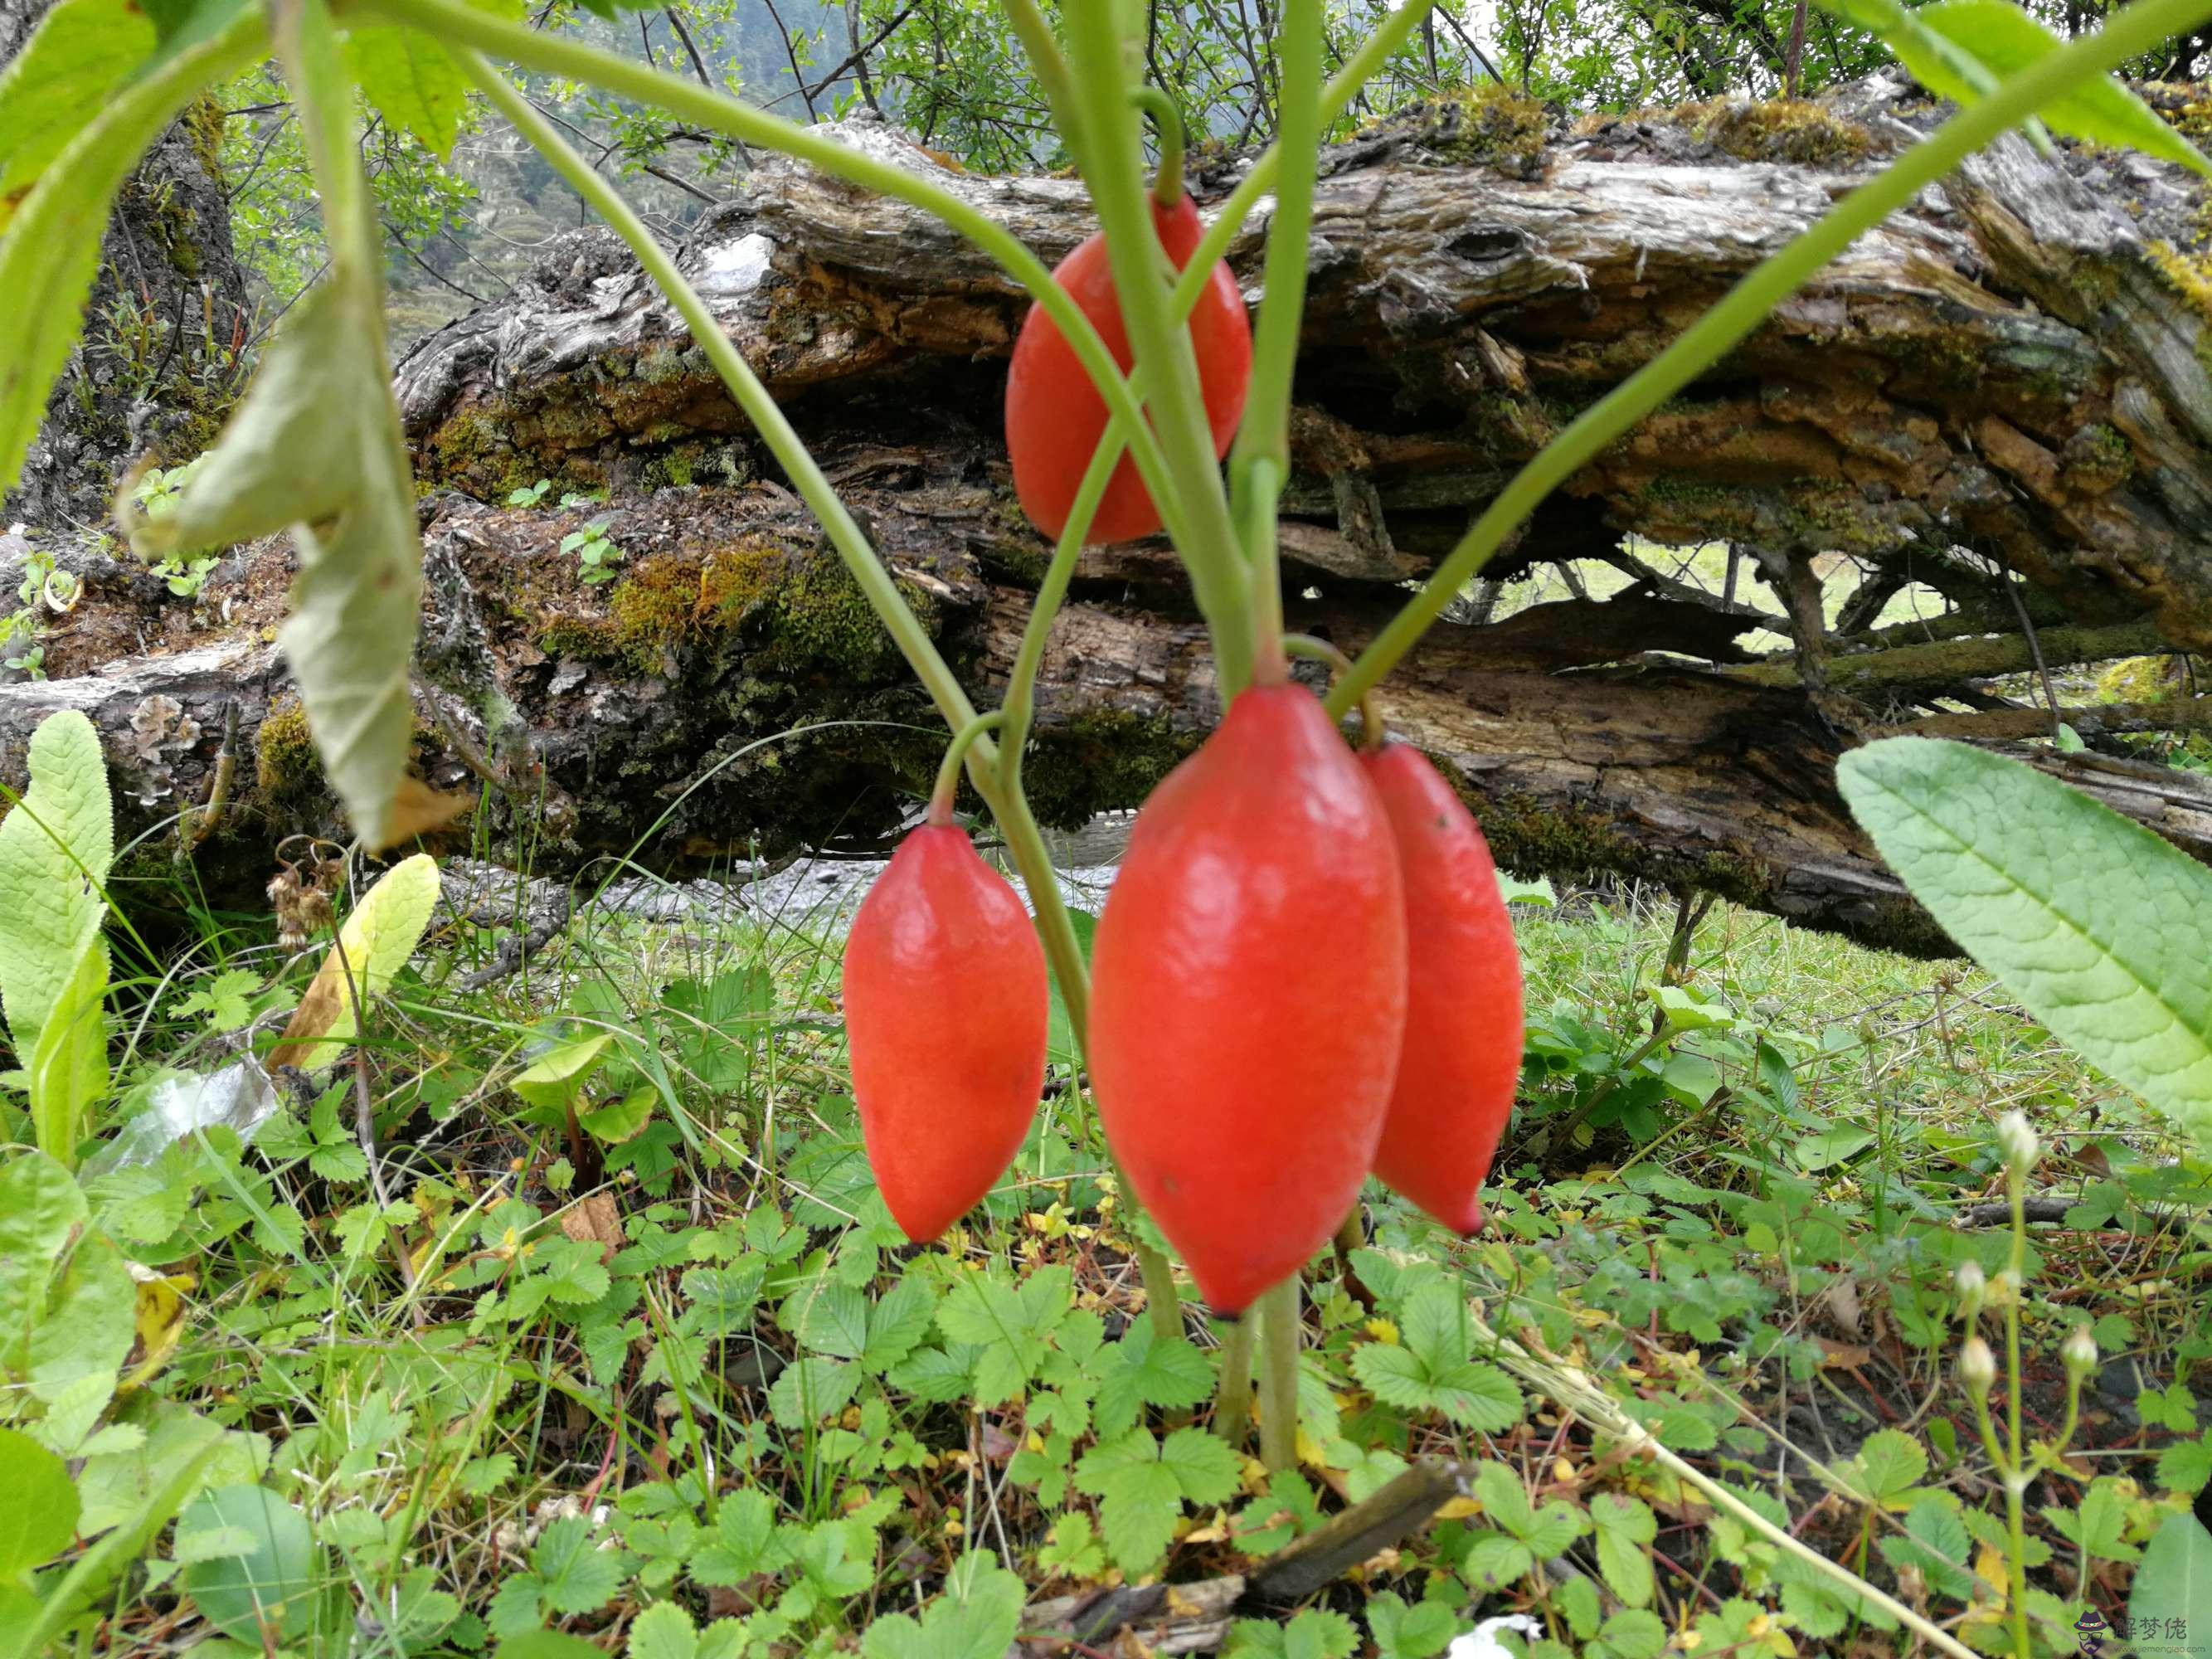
(165, 332)
(2005, 381)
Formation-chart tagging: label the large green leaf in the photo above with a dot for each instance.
(51, 248)
(316, 446)
(55, 848)
(2173, 1592)
(414, 82)
(1961, 49)
(2095, 924)
(271, 1582)
(64, 76)
(41, 1208)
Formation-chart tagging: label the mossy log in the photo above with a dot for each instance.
(2007, 379)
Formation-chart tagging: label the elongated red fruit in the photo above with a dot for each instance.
(1462, 1056)
(1054, 416)
(944, 1014)
(1248, 994)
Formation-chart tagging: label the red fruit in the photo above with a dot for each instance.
(1054, 416)
(1462, 1057)
(944, 1013)
(1248, 994)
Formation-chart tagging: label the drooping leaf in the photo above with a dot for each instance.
(272, 1582)
(2095, 924)
(2004, 40)
(55, 848)
(373, 945)
(66, 76)
(553, 1082)
(2174, 1585)
(316, 446)
(49, 247)
(413, 82)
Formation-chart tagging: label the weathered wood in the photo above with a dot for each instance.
(2004, 376)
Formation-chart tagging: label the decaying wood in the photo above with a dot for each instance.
(2004, 379)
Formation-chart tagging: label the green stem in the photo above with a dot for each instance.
(1266, 433)
(1257, 495)
(2138, 29)
(1232, 1396)
(1114, 169)
(1336, 97)
(459, 24)
(1021, 684)
(1372, 734)
(1167, 178)
(791, 453)
(948, 770)
(1279, 1384)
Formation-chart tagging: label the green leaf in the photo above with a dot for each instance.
(1059, 1032)
(1410, 1632)
(272, 1582)
(662, 1631)
(575, 1574)
(414, 83)
(1142, 1370)
(1936, 1545)
(2174, 1584)
(744, 1543)
(50, 249)
(553, 1082)
(373, 945)
(87, 1332)
(1625, 1527)
(811, 1389)
(66, 76)
(2004, 40)
(69, 1068)
(56, 844)
(1140, 1499)
(2099, 1525)
(547, 1644)
(974, 1619)
(2092, 921)
(1889, 1464)
(1203, 1465)
(40, 1518)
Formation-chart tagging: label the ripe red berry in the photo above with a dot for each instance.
(1248, 994)
(1462, 1056)
(1054, 416)
(944, 1014)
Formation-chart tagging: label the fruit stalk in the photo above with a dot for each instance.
(1232, 1393)
(955, 753)
(1278, 1385)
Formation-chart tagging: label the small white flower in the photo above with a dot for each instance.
(2017, 1141)
(1482, 1643)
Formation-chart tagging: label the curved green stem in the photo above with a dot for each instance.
(1278, 1382)
(459, 24)
(868, 571)
(956, 755)
(2139, 28)
(1167, 178)
(1114, 169)
(1372, 730)
(1266, 433)
(1336, 97)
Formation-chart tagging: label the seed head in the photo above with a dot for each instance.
(1973, 1287)
(2017, 1141)
(2080, 1352)
(1977, 1366)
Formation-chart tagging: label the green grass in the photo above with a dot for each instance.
(689, 1376)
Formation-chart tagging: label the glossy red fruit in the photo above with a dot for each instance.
(1462, 1056)
(944, 1014)
(1248, 994)
(1054, 416)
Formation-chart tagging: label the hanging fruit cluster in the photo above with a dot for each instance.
(1303, 973)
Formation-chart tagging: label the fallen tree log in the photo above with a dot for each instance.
(2003, 382)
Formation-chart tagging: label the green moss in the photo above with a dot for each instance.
(821, 616)
(2099, 459)
(1490, 125)
(2188, 275)
(285, 766)
(1793, 130)
(2139, 679)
